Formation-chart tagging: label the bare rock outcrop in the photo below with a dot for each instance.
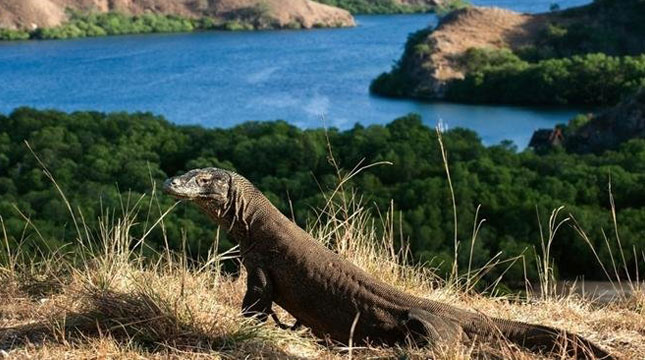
(29, 14)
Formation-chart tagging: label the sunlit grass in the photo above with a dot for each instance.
(108, 300)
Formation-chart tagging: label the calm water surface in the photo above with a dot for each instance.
(309, 78)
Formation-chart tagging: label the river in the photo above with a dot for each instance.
(219, 79)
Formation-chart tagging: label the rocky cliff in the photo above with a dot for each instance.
(32, 14)
(610, 128)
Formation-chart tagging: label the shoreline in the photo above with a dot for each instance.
(181, 25)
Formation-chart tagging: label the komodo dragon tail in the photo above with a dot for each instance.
(537, 337)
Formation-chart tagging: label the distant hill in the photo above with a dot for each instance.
(384, 6)
(596, 133)
(493, 55)
(33, 14)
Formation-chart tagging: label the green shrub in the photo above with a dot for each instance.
(114, 23)
(8, 34)
(576, 123)
(376, 6)
(592, 79)
(294, 25)
(449, 6)
(236, 25)
(392, 84)
(398, 82)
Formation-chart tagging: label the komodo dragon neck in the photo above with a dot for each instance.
(250, 214)
(247, 211)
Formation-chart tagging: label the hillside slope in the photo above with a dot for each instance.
(432, 58)
(512, 47)
(596, 133)
(32, 14)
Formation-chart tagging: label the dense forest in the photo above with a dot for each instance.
(100, 160)
(591, 79)
(590, 55)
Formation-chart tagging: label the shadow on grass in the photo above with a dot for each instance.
(146, 322)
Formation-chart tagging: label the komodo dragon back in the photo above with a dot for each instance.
(332, 296)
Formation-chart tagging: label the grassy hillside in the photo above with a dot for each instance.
(107, 301)
(590, 55)
(106, 160)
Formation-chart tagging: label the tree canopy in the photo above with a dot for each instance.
(102, 160)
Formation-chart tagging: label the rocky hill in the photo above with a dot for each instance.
(607, 130)
(436, 58)
(33, 14)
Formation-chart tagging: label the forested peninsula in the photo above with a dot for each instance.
(102, 161)
(61, 19)
(589, 55)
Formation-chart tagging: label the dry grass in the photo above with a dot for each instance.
(116, 305)
(113, 303)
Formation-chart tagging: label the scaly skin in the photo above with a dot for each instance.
(326, 293)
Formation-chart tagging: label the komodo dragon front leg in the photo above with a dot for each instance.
(258, 299)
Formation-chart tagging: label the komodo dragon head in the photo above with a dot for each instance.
(209, 187)
(223, 195)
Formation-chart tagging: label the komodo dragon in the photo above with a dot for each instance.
(326, 293)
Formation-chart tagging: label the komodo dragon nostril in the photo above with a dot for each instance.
(170, 183)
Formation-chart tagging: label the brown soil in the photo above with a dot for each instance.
(479, 27)
(473, 27)
(31, 14)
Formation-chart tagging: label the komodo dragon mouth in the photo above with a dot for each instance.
(170, 188)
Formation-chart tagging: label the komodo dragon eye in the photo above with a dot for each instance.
(203, 181)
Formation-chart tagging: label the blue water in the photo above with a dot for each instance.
(219, 79)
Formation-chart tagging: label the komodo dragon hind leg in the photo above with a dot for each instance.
(425, 328)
